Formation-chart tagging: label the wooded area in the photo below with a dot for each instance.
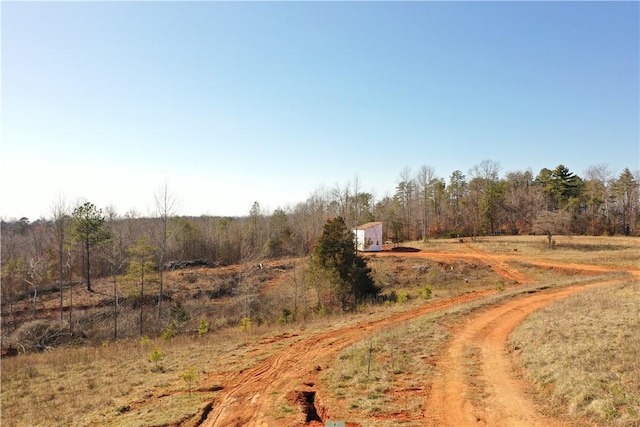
(80, 242)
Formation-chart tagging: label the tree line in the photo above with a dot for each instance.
(78, 243)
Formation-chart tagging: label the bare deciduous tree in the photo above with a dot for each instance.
(550, 223)
(117, 261)
(405, 193)
(61, 225)
(456, 191)
(140, 267)
(521, 201)
(488, 194)
(166, 206)
(598, 198)
(424, 181)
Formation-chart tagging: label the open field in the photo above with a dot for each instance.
(384, 365)
(416, 361)
(582, 353)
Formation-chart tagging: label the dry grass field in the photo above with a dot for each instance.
(583, 354)
(383, 375)
(386, 377)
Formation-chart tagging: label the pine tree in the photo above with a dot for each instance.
(141, 266)
(88, 228)
(561, 187)
(626, 191)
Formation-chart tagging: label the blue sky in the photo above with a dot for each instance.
(235, 102)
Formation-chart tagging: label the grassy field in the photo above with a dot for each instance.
(100, 386)
(600, 250)
(583, 354)
(364, 376)
(116, 383)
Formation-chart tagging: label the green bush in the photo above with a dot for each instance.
(245, 324)
(170, 331)
(145, 341)
(286, 316)
(179, 313)
(403, 297)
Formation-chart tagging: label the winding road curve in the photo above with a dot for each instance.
(249, 396)
(502, 400)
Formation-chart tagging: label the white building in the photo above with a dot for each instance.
(369, 237)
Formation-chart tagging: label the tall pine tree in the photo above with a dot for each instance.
(88, 229)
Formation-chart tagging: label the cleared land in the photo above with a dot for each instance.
(571, 354)
(399, 364)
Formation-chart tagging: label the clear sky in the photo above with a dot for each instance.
(235, 102)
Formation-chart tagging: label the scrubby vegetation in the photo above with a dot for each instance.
(83, 244)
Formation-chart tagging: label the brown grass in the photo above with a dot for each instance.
(365, 376)
(404, 359)
(115, 384)
(97, 386)
(618, 250)
(583, 353)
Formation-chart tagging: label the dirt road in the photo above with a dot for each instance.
(249, 396)
(490, 396)
(499, 263)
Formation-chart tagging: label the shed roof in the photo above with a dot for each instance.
(368, 225)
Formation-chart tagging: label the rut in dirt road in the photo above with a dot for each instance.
(248, 398)
(490, 395)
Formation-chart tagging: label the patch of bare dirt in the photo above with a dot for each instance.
(502, 399)
(250, 396)
(496, 263)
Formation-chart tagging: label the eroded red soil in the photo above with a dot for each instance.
(289, 377)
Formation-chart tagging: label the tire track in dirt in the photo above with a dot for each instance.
(498, 262)
(250, 396)
(502, 400)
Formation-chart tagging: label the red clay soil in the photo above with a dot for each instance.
(502, 401)
(498, 262)
(251, 396)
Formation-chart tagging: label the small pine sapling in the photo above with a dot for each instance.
(155, 356)
(245, 324)
(426, 292)
(189, 377)
(170, 331)
(203, 328)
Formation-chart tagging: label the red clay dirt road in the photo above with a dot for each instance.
(501, 401)
(250, 396)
